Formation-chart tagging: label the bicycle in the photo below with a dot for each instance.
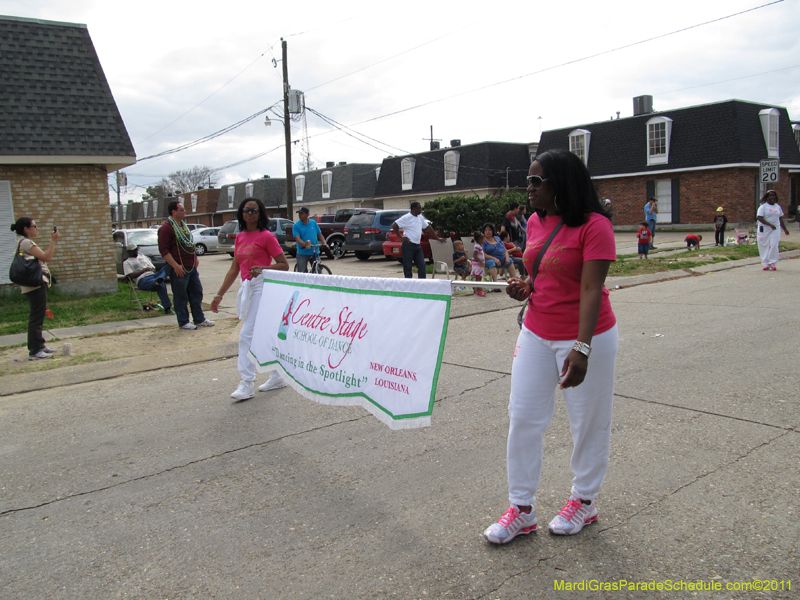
(315, 264)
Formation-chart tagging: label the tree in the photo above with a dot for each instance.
(186, 181)
(463, 215)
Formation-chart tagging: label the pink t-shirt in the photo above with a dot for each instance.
(554, 308)
(255, 248)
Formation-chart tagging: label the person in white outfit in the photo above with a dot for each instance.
(770, 217)
(569, 318)
(255, 250)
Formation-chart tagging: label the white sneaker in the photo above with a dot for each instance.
(573, 517)
(244, 391)
(206, 323)
(189, 326)
(275, 382)
(510, 525)
(40, 355)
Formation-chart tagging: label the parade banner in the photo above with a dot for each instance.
(347, 341)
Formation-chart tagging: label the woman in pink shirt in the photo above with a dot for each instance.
(256, 249)
(569, 318)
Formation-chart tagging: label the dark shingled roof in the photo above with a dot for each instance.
(272, 192)
(722, 133)
(55, 97)
(482, 165)
(356, 180)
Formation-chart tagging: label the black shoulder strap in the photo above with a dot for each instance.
(535, 268)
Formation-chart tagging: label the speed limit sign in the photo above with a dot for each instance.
(769, 170)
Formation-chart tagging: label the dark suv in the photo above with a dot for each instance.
(227, 234)
(366, 231)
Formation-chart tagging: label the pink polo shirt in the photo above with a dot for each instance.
(554, 308)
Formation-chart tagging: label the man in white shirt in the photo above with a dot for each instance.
(413, 224)
(141, 270)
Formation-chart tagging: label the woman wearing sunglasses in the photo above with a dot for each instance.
(27, 229)
(569, 319)
(255, 250)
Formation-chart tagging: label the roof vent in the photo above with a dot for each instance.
(455, 143)
(434, 145)
(265, 177)
(330, 164)
(341, 164)
(642, 105)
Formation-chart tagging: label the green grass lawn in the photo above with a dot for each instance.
(69, 310)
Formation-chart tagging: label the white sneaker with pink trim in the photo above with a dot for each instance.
(510, 525)
(573, 517)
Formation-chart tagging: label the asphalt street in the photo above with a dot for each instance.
(157, 485)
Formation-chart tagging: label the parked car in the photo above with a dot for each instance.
(146, 239)
(205, 240)
(393, 247)
(366, 231)
(227, 234)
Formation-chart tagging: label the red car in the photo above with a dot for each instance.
(393, 247)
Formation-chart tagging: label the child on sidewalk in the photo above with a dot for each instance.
(693, 241)
(644, 236)
(478, 261)
(460, 264)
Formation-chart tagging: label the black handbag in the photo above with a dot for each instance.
(535, 270)
(25, 272)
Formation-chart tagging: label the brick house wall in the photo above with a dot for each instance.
(206, 208)
(699, 192)
(75, 198)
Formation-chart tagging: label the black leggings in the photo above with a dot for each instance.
(719, 236)
(38, 301)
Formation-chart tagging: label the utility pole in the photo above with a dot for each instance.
(287, 132)
(123, 178)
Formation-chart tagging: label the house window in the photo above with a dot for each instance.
(116, 213)
(8, 240)
(579, 144)
(451, 160)
(248, 190)
(407, 172)
(769, 127)
(155, 208)
(299, 184)
(377, 174)
(327, 179)
(796, 129)
(659, 130)
(124, 212)
(194, 203)
(144, 209)
(231, 196)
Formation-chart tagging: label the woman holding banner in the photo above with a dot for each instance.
(569, 318)
(256, 249)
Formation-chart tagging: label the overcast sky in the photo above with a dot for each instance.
(499, 71)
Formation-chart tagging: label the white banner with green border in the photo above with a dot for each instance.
(346, 341)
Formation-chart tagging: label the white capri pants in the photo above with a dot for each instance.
(247, 302)
(534, 379)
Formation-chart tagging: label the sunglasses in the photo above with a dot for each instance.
(250, 211)
(535, 181)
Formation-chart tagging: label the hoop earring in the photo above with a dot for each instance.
(555, 201)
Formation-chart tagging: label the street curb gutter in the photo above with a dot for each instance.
(20, 383)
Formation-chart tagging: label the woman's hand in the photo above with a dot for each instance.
(518, 289)
(255, 271)
(215, 304)
(54, 236)
(574, 370)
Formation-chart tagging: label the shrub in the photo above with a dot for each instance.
(464, 215)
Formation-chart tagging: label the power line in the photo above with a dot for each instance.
(726, 80)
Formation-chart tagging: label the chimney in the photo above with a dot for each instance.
(329, 164)
(455, 143)
(642, 105)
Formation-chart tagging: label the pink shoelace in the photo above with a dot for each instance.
(570, 509)
(508, 516)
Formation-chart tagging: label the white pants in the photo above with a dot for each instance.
(534, 379)
(768, 242)
(253, 288)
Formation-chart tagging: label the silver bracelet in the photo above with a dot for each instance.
(583, 348)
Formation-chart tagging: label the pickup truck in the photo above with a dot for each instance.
(332, 228)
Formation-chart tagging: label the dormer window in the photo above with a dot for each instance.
(579, 144)
(327, 180)
(407, 172)
(155, 208)
(451, 160)
(194, 202)
(299, 186)
(377, 174)
(796, 130)
(769, 127)
(248, 190)
(124, 211)
(144, 209)
(116, 213)
(659, 130)
(231, 196)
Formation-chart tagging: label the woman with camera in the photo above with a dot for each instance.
(26, 229)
